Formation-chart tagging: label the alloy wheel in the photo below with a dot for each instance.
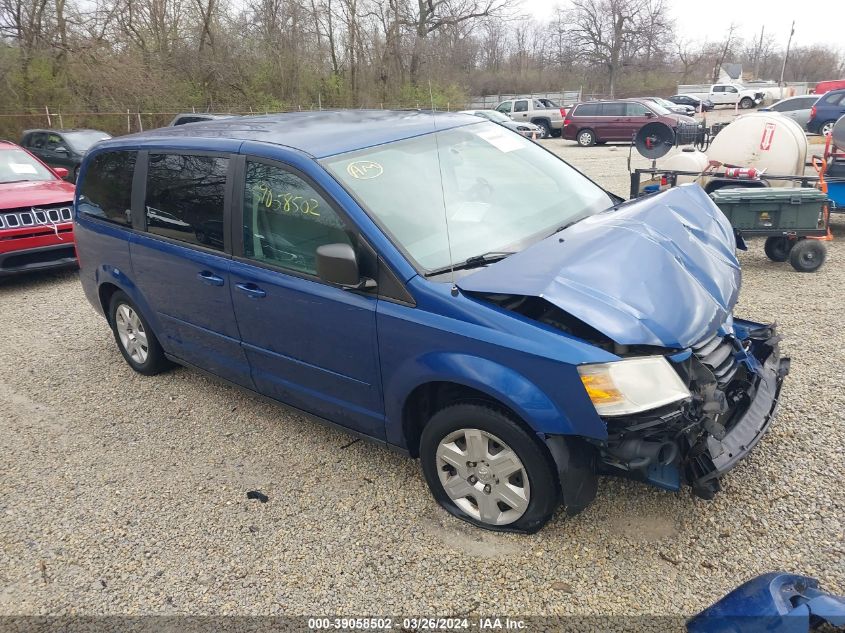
(483, 476)
(131, 332)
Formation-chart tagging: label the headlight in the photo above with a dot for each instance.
(632, 385)
(523, 129)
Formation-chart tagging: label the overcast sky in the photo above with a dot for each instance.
(816, 21)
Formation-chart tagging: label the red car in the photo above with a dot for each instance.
(36, 229)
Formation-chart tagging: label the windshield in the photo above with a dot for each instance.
(501, 192)
(82, 140)
(495, 116)
(17, 166)
(659, 109)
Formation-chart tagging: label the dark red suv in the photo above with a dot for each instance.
(603, 121)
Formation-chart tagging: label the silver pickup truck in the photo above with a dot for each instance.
(541, 112)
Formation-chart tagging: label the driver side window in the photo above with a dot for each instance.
(54, 141)
(505, 107)
(285, 219)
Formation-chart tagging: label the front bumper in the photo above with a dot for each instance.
(36, 248)
(721, 455)
(732, 406)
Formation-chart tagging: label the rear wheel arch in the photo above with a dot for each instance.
(105, 293)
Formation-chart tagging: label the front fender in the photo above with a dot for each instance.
(501, 383)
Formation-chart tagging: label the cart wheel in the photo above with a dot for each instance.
(807, 255)
(777, 248)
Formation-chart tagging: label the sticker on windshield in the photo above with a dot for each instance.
(502, 139)
(364, 169)
(22, 168)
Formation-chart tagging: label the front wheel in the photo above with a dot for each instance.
(777, 248)
(134, 338)
(483, 467)
(807, 256)
(586, 138)
(543, 125)
(746, 103)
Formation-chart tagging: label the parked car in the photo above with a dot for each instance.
(440, 285)
(686, 110)
(197, 117)
(826, 112)
(62, 148)
(691, 100)
(824, 87)
(797, 108)
(602, 121)
(36, 229)
(528, 130)
(733, 94)
(541, 112)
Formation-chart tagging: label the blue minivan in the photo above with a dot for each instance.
(439, 284)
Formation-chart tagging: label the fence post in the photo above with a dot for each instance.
(140, 123)
(319, 101)
(49, 120)
(61, 122)
(128, 122)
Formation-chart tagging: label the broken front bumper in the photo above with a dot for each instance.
(738, 441)
(735, 381)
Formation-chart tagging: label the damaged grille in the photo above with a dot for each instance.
(35, 216)
(717, 354)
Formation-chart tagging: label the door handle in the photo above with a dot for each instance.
(210, 278)
(251, 290)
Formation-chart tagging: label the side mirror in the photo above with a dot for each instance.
(61, 172)
(338, 265)
(61, 149)
(649, 115)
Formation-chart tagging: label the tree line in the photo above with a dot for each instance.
(155, 55)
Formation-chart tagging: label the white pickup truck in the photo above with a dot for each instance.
(731, 94)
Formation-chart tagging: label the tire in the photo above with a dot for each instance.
(746, 103)
(586, 138)
(777, 248)
(807, 255)
(547, 129)
(826, 128)
(144, 354)
(458, 451)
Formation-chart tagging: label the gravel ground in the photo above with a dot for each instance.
(126, 495)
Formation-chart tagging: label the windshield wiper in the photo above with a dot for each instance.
(472, 262)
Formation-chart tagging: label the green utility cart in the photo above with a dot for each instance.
(785, 216)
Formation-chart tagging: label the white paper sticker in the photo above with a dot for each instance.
(503, 140)
(22, 168)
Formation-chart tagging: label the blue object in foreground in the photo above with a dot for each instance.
(776, 602)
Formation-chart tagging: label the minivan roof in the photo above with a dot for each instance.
(320, 134)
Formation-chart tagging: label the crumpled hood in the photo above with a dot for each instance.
(657, 271)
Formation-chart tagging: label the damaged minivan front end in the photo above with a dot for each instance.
(654, 282)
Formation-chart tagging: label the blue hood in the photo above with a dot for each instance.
(658, 271)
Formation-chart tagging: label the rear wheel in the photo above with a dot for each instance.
(483, 467)
(135, 339)
(807, 256)
(586, 138)
(746, 103)
(777, 248)
(827, 128)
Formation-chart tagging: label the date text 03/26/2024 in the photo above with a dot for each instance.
(417, 624)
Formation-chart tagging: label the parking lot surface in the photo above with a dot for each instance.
(123, 494)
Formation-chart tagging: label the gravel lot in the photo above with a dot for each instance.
(126, 495)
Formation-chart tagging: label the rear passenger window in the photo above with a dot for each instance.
(106, 191)
(520, 106)
(613, 109)
(588, 109)
(185, 195)
(285, 219)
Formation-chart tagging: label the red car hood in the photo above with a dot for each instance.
(34, 193)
